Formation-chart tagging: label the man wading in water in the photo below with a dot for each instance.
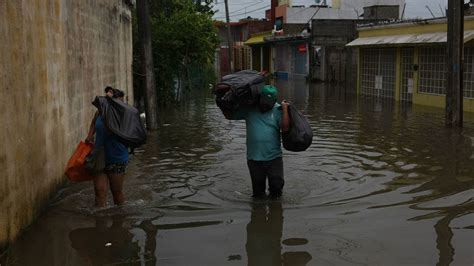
(265, 123)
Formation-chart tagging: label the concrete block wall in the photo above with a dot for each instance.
(293, 29)
(335, 28)
(338, 64)
(55, 56)
(382, 12)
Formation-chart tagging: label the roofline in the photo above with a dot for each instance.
(401, 24)
(381, 6)
(238, 23)
(262, 33)
(414, 39)
(273, 39)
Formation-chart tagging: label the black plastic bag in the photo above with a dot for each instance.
(300, 136)
(241, 88)
(122, 120)
(227, 101)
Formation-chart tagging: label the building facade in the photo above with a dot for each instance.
(241, 31)
(332, 61)
(408, 62)
(55, 58)
(358, 6)
(282, 55)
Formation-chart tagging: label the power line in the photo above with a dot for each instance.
(254, 4)
(236, 4)
(248, 12)
(244, 8)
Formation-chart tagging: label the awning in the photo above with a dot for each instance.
(258, 38)
(414, 39)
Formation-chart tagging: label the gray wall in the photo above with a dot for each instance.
(337, 60)
(55, 56)
(381, 12)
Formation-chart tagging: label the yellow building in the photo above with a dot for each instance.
(406, 61)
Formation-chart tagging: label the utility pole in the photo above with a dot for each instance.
(229, 37)
(151, 100)
(454, 89)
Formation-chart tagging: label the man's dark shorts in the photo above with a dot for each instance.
(261, 170)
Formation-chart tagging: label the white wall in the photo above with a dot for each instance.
(303, 15)
(349, 9)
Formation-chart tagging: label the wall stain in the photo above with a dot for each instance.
(57, 64)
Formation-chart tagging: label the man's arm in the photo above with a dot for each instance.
(285, 118)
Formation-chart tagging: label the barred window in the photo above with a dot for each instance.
(433, 70)
(242, 57)
(378, 72)
(469, 72)
(407, 74)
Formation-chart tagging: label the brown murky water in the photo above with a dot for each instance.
(381, 185)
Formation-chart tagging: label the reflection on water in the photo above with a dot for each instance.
(264, 233)
(104, 244)
(382, 184)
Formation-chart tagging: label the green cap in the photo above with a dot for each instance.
(269, 91)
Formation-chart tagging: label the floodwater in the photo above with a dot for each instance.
(382, 184)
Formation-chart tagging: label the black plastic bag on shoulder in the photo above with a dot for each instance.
(239, 89)
(300, 135)
(122, 120)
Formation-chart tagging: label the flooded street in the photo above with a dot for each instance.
(380, 185)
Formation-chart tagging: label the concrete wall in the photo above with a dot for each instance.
(55, 56)
(280, 11)
(343, 30)
(358, 5)
(301, 15)
(293, 29)
(381, 12)
(337, 61)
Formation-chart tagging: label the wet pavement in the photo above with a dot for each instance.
(382, 184)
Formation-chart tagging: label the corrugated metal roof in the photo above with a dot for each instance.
(420, 38)
(258, 38)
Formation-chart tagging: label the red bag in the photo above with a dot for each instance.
(75, 169)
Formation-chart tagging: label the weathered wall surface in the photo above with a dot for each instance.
(381, 12)
(55, 56)
(339, 63)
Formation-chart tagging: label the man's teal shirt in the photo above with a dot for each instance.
(263, 132)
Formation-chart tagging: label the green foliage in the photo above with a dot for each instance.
(184, 41)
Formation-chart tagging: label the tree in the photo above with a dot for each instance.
(184, 43)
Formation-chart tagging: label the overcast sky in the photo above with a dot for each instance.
(256, 8)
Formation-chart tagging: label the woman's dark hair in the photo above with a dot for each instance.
(108, 88)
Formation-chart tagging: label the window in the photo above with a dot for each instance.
(378, 72)
(433, 70)
(407, 74)
(469, 72)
